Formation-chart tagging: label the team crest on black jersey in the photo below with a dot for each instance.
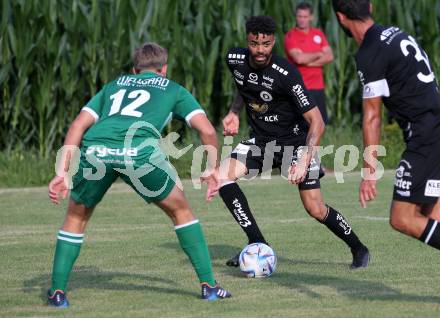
(266, 96)
(259, 108)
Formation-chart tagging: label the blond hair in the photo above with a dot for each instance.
(150, 56)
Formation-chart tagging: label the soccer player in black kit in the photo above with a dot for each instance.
(282, 118)
(395, 70)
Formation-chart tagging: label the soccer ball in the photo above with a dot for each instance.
(258, 260)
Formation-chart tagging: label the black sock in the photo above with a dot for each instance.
(431, 234)
(336, 223)
(237, 204)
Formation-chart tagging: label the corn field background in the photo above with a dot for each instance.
(56, 54)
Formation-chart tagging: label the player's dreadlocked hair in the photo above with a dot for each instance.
(261, 24)
(353, 9)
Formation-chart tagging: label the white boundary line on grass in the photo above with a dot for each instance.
(121, 186)
(6, 234)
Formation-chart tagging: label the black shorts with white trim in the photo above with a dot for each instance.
(260, 158)
(418, 175)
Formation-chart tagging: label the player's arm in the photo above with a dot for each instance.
(302, 58)
(208, 137)
(188, 108)
(371, 126)
(57, 186)
(298, 172)
(327, 57)
(231, 122)
(78, 127)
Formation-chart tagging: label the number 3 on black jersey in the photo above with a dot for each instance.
(419, 56)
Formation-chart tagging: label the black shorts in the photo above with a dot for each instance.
(319, 97)
(418, 175)
(260, 158)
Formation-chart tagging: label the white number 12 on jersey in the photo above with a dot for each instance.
(140, 97)
(420, 56)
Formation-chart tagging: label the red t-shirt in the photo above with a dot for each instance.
(312, 41)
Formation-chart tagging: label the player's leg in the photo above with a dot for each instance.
(84, 196)
(408, 218)
(235, 200)
(415, 209)
(69, 241)
(159, 185)
(432, 211)
(336, 223)
(189, 233)
(192, 240)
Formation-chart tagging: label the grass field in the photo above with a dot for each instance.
(131, 265)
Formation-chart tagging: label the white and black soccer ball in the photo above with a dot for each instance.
(258, 260)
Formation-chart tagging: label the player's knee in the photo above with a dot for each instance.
(399, 223)
(231, 170)
(315, 209)
(181, 213)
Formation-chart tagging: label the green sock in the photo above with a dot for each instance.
(66, 252)
(193, 242)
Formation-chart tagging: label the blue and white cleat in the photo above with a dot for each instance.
(214, 293)
(58, 299)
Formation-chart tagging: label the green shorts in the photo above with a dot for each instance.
(153, 180)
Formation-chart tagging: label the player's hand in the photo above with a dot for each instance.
(297, 173)
(58, 189)
(367, 192)
(231, 123)
(211, 178)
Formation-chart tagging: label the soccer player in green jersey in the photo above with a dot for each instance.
(118, 134)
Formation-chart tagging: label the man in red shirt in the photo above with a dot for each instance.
(308, 49)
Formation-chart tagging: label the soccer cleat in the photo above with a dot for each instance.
(214, 293)
(58, 299)
(361, 258)
(233, 261)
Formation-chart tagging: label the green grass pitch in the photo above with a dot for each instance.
(131, 264)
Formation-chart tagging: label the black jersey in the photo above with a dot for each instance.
(275, 97)
(391, 64)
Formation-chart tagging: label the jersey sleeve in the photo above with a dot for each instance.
(295, 88)
(290, 41)
(95, 105)
(372, 65)
(186, 106)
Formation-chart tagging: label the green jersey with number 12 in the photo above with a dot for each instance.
(147, 100)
